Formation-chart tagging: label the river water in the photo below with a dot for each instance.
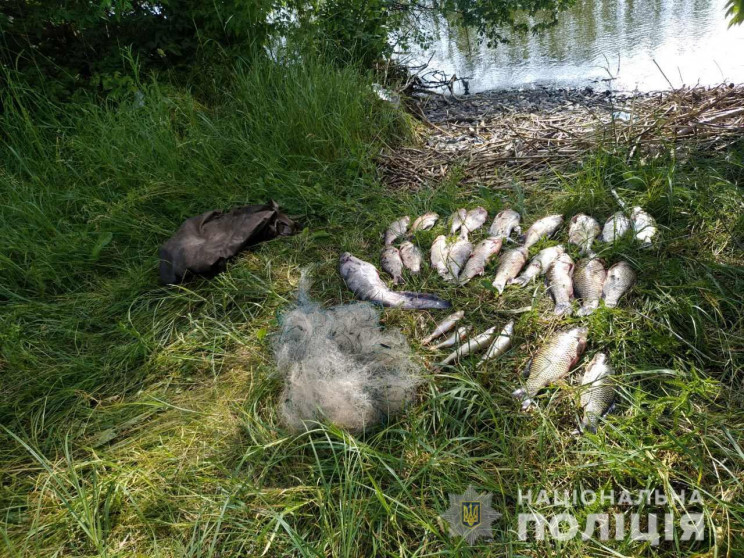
(597, 40)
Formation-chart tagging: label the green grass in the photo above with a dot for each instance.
(141, 420)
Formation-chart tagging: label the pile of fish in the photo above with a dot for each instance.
(457, 260)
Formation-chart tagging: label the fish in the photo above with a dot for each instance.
(439, 253)
(538, 265)
(396, 229)
(474, 220)
(363, 279)
(616, 227)
(471, 346)
(479, 259)
(544, 227)
(392, 263)
(425, 222)
(582, 231)
(552, 362)
(506, 222)
(411, 256)
(500, 344)
(512, 262)
(457, 254)
(458, 219)
(644, 226)
(598, 391)
(588, 279)
(620, 277)
(447, 324)
(560, 284)
(455, 339)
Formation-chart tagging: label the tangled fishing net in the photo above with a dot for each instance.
(339, 365)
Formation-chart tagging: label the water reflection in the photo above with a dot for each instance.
(598, 39)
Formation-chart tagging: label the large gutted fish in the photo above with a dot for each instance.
(512, 262)
(471, 346)
(589, 277)
(616, 227)
(364, 281)
(582, 231)
(446, 325)
(500, 344)
(392, 263)
(453, 340)
(644, 226)
(620, 277)
(474, 220)
(479, 259)
(439, 253)
(598, 391)
(458, 219)
(552, 362)
(560, 284)
(425, 222)
(538, 265)
(457, 254)
(396, 229)
(545, 227)
(506, 222)
(411, 256)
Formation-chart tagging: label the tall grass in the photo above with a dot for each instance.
(141, 420)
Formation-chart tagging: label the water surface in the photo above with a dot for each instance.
(599, 39)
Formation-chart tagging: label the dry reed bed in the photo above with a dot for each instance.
(485, 138)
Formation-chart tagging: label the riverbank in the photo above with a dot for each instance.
(522, 131)
(141, 420)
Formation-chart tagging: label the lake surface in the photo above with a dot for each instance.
(597, 39)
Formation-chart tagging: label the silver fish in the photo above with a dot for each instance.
(598, 391)
(392, 263)
(411, 256)
(544, 227)
(560, 284)
(589, 277)
(479, 259)
(439, 252)
(471, 346)
(512, 262)
(582, 231)
(500, 344)
(616, 227)
(425, 222)
(457, 254)
(474, 220)
(620, 277)
(644, 226)
(455, 339)
(447, 324)
(396, 229)
(363, 279)
(552, 362)
(458, 219)
(538, 265)
(504, 223)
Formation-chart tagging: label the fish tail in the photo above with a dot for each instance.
(520, 393)
(587, 309)
(420, 301)
(520, 281)
(499, 285)
(563, 309)
(527, 403)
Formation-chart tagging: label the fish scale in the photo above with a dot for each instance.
(589, 277)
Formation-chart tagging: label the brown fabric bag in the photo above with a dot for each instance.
(203, 244)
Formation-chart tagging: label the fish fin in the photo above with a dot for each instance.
(526, 372)
(611, 409)
(519, 393)
(563, 309)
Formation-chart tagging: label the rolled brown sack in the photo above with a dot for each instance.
(203, 244)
